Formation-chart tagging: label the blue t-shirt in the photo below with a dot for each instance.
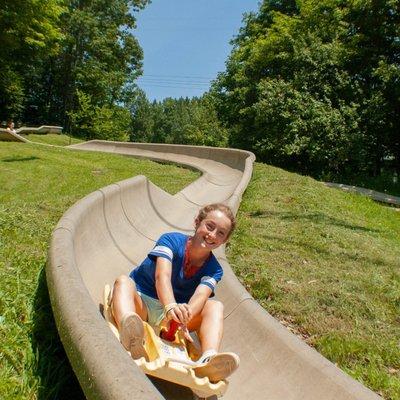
(172, 247)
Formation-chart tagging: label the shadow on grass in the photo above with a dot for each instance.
(14, 159)
(313, 217)
(57, 379)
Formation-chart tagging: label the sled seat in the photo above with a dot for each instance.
(171, 361)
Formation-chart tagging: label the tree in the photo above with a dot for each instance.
(29, 32)
(184, 121)
(99, 56)
(106, 122)
(314, 85)
(142, 126)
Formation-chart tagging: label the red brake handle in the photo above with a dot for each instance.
(170, 333)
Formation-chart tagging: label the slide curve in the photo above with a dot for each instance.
(10, 136)
(42, 130)
(372, 194)
(15, 136)
(109, 231)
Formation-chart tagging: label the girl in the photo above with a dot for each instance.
(175, 282)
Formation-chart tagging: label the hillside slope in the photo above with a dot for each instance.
(326, 264)
(37, 185)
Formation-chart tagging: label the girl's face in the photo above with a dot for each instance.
(212, 231)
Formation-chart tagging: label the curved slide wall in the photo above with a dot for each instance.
(9, 136)
(15, 136)
(110, 230)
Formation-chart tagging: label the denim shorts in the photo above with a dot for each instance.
(155, 310)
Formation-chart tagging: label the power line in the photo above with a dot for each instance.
(172, 87)
(178, 76)
(174, 83)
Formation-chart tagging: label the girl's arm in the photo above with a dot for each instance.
(163, 281)
(199, 298)
(181, 312)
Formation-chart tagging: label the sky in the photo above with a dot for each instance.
(186, 43)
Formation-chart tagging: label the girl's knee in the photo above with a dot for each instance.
(215, 307)
(123, 281)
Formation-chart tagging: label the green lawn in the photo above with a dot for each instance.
(327, 265)
(324, 262)
(37, 185)
(52, 138)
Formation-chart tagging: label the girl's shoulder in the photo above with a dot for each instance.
(174, 236)
(173, 240)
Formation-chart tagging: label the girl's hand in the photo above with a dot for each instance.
(186, 333)
(180, 313)
(169, 334)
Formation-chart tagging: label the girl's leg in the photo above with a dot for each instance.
(209, 325)
(129, 312)
(126, 300)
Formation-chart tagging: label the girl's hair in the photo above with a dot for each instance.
(217, 207)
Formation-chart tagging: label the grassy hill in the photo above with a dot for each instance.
(37, 185)
(327, 265)
(324, 262)
(52, 138)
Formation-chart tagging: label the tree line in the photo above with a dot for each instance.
(182, 121)
(71, 63)
(313, 86)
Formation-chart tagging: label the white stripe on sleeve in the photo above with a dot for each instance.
(162, 251)
(209, 281)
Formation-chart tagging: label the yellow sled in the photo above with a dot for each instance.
(171, 361)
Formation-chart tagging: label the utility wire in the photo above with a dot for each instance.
(174, 80)
(178, 76)
(177, 84)
(173, 87)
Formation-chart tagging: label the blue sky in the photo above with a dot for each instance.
(186, 43)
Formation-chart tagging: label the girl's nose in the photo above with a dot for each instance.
(213, 233)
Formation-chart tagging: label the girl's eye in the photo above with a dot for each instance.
(220, 233)
(210, 226)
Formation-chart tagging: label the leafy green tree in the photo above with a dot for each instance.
(29, 32)
(106, 122)
(99, 56)
(183, 121)
(142, 126)
(314, 85)
(375, 65)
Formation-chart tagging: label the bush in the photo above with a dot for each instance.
(100, 122)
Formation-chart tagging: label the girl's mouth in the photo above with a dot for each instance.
(208, 241)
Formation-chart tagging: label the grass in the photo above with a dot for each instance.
(326, 264)
(37, 184)
(53, 138)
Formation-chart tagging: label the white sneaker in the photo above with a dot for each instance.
(131, 335)
(218, 366)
